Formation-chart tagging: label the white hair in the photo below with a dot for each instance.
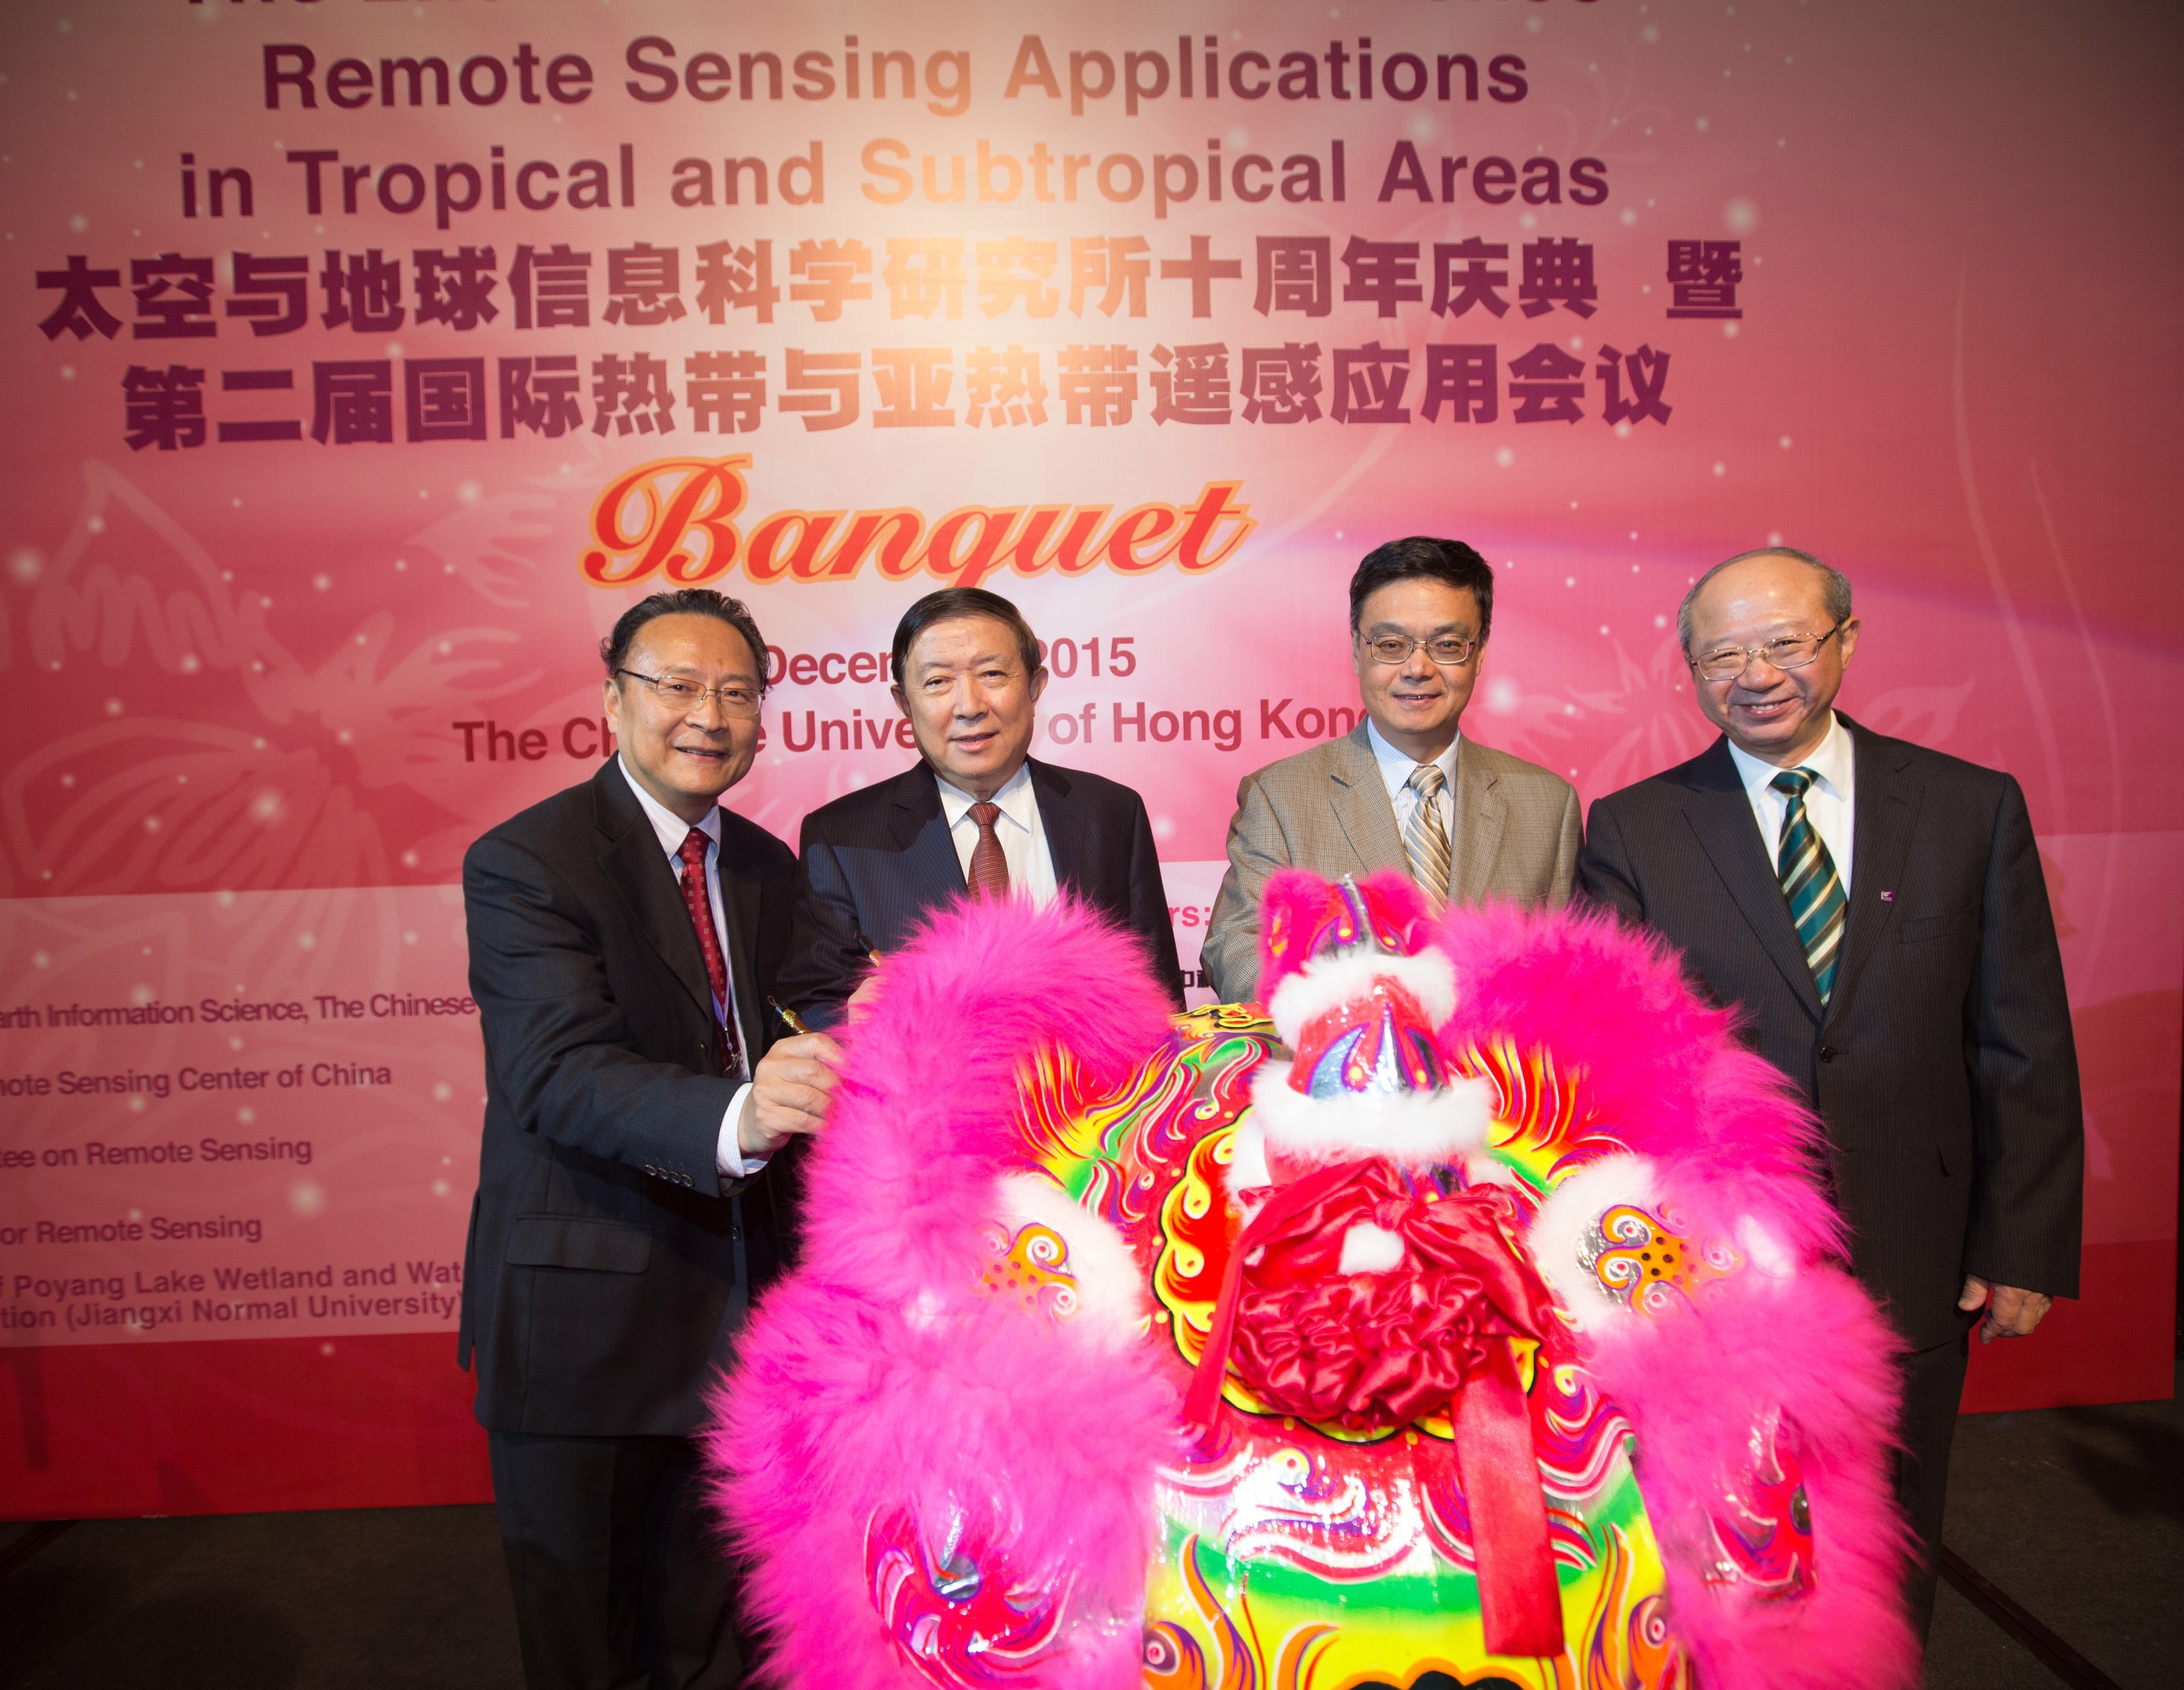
(1834, 587)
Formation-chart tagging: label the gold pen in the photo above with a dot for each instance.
(789, 1017)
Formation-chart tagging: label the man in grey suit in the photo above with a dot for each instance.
(1876, 912)
(1405, 790)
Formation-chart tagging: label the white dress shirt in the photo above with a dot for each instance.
(672, 830)
(1018, 827)
(1395, 769)
(1830, 802)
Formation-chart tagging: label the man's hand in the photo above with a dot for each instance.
(2011, 1312)
(790, 1093)
(861, 1000)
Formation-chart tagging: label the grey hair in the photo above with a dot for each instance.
(1834, 587)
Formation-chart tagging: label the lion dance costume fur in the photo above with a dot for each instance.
(1469, 1317)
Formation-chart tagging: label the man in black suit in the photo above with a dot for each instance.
(976, 813)
(1877, 912)
(630, 1198)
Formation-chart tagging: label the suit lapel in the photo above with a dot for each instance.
(1482, 816)
(1886, 803)
(920, 832)
(1719, 812)
(1360, 798)
(1062, 818)
(740, 901)
(630, 852)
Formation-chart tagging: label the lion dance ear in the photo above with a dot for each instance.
(1303, 916)
(920, 1468)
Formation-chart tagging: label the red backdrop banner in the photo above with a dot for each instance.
(364, 361)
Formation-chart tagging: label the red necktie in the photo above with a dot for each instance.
(700, 906)
(989, 864)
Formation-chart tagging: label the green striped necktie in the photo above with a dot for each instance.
(1810, 883)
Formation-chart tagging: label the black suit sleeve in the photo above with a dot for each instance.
(826, 958)
(1608, 878)
(1605, 878)
(1148, 912)
(560, 1047)
(2028, 1194)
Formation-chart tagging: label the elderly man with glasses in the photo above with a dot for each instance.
(1405, 790)
(1876, 913)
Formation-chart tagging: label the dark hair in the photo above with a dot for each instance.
(1406, 559)
(687, 601)
(954, 604)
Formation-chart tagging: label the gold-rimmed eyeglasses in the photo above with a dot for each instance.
(736, 699)
(1791, 651)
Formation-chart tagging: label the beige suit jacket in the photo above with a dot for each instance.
(1327, 809)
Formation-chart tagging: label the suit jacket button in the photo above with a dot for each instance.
(1828, 1053)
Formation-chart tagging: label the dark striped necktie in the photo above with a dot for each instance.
(1810, 883)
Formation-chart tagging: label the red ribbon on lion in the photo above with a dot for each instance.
(1368, 1351)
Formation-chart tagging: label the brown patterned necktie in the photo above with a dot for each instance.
(989, 864)
(1425, 836)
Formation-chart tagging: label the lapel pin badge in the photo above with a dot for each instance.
(1888, 897)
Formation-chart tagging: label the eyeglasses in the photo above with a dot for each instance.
(1792, 651)
(1450, 650)
(736, 699)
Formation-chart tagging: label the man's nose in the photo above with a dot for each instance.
(1418, 666)
(707, 713)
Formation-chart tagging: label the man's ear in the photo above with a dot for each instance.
(901, 702)
(1849, 638)
(1038, 682)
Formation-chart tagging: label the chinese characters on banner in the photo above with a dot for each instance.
(730, 390)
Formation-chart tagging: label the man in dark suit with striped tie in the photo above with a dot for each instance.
(1877, 912)
(977, 813)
